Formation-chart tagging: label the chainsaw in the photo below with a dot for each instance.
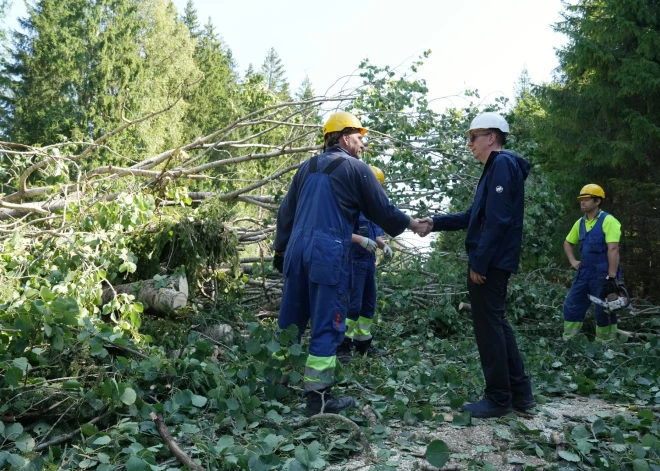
(613, 301)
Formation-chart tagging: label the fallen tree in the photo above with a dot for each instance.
(166, 295)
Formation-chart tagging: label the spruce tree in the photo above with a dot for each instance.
(213, 103)
(601, 121)
(81, 67)
(274, 74)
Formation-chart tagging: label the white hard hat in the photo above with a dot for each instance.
(489, 120)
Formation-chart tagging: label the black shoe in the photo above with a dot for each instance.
(344, 352)
(485, 408)
(523, 404)
(333, 405)
(368, 349)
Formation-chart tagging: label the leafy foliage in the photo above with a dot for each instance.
(79, 382)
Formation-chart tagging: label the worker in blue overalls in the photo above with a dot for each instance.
(598, 271)
(312, 244)
(367, 237)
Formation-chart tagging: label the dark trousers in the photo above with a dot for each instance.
(500, 358)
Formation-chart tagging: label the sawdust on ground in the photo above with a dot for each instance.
(480, 440)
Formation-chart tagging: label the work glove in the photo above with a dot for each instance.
(278, 262)
(387, 251)
(369, 245)
(610, 285)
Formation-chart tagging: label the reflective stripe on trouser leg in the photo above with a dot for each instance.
(571, 329)
(362, 330)
(606, 333)
(350, 328)
(319, 372)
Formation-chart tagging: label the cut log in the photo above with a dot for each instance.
(166, 300)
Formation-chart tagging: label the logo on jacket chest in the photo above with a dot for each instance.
(499, 189)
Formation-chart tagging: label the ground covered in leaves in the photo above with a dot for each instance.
(598, 406)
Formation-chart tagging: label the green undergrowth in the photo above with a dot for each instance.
(221, 412)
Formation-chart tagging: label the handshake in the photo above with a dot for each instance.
(421, 227)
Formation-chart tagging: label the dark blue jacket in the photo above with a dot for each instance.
(494, 222)
(356, 190)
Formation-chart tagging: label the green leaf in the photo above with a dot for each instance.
(437, 453)
(136, 464)
(569, 456)
(128, 397)
(104, 440)
(21, 363)
(253, 347)
(274, 416)
(183, 398)
(295, 349)
(641, 465)
(462, 420)
(646, 414)
(598, 426)
(199, 401)
(273, 346)
(98, 350)
(13, 376)
(295, 465)
(11, 432)
(25, 442)
(649, 441)
(71, 384)
(88, 429)
(67, 305)
(232, 404)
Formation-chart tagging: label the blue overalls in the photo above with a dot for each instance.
(363, 292)
(317, 273)
(588, 281)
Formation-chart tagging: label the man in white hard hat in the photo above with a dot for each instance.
(494, 235)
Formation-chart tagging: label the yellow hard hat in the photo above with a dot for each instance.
(591, 191)
(379, 174)
(342, 120)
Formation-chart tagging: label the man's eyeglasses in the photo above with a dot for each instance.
(473, 136)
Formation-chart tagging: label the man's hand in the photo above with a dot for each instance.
(421, 227)
(278, 262)
(476, 278)
(610, 285)
(387, 251)
(369, 245)
(576, 264)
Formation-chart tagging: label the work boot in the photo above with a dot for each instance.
(367, 348)
(333, 405)
(485, 408)
(523, 404)
(344, 351)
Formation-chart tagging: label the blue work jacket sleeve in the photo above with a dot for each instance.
(378, 231)
(452, 222)
(354, 184)
(287, 212)
(498, 214)
(375, 204)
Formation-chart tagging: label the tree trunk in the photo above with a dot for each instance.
(165, 300)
